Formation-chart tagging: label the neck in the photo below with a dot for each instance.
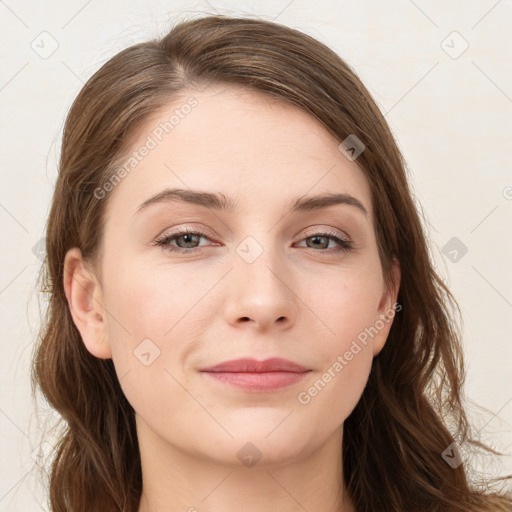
(177, 481)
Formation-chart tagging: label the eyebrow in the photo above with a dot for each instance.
(218, 201)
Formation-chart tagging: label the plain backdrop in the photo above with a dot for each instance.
(440, 71)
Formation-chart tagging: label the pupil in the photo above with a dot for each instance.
(187, 238)
(317, 238)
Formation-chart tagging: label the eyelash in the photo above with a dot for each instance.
(164, 242)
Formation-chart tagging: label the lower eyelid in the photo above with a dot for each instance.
(342, 244)
(173, 236)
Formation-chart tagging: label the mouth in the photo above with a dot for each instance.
(253, 375)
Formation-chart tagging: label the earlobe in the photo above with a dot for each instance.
(83, 293)
(387, 310)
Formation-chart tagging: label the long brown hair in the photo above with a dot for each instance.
(411, 410)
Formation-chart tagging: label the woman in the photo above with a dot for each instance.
(242, 310)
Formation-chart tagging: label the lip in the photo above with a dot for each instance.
(253, 375)
(248, 365)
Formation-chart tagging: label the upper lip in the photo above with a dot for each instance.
(275, 364)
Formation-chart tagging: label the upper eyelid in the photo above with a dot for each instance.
(186, 229)
(327, 231)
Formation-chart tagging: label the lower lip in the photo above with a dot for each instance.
(266, 381)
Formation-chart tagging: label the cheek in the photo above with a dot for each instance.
(149, 300)
(155, 306)
(346, 303)
(155, 315)
(332, 393)
(149, 331)
(344, 354)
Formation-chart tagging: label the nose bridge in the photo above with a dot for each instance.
(261, 288)
(258, 262)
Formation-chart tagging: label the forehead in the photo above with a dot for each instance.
(248, 145)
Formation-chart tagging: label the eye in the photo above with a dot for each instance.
(322, 240)
(184, 237)
(187, 241)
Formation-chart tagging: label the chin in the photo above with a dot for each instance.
(255, 447)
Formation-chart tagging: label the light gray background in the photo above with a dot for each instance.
(449, 106)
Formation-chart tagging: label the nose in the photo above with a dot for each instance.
(261, 293)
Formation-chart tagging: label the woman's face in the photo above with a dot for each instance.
(261, 280)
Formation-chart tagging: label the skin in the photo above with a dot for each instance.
(262, 153)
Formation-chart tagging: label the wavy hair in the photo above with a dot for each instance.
(411, 410)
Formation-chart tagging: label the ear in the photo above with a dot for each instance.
(386, 310)
(83, 293)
